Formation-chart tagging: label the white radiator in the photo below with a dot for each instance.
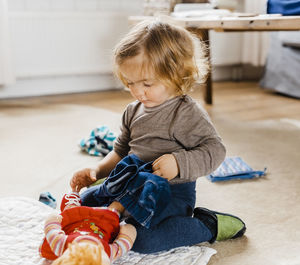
(72, 40)
(64, 43)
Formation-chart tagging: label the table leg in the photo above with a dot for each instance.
(208, 93)
(203, 34)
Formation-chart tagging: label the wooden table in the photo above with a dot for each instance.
(202, 25)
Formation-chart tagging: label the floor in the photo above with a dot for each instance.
(261, 126)
(238, 100)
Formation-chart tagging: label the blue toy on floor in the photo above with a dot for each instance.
(234, 168)
(48, 199)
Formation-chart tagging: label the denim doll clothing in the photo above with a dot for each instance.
(143, 194)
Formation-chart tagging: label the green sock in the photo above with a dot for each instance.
(228, 226)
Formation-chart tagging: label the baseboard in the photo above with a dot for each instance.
(59, 85)
(88, 83)
(240, 72)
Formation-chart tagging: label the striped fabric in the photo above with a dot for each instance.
(99, 143)
(92, 239)
(120, 246)
(55, 237)
(232, 166)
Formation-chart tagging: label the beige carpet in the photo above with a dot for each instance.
(39, 152)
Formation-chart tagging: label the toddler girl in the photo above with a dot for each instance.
(156, 62)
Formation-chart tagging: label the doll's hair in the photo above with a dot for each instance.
(88, 254)
(176, 57)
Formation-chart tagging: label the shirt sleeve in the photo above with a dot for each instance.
(121, 145)
(55, 236)
(121, 245)
(202, 148)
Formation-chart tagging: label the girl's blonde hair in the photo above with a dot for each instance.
(88, 254)
(177, 57)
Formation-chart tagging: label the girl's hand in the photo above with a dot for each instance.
(83, 178)
(165, 166)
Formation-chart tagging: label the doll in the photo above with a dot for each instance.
(86, 235)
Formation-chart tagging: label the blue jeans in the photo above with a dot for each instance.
(175, 225)
(143, 194)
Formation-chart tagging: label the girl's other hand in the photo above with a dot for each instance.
(83, 178)
(165, 166)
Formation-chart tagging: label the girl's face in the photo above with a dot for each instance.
(143, 85)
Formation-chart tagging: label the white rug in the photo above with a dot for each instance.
(21, 232)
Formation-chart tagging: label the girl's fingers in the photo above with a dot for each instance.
(156, 161)
(93, 175)
(155, 165)
(155, 168)
(155, 172)
(82, 179)
(76, 184)
(158, 173)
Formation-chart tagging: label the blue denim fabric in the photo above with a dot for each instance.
(143, 194)
(175, 225)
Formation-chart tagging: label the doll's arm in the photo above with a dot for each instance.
(55, 236)
(124, 241)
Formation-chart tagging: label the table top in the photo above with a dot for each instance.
(231, 23)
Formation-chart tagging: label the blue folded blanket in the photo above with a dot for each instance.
(234, 168)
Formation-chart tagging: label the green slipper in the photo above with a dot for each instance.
(222, 225)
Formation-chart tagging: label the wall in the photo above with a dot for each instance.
(62, 46)
(61, 37)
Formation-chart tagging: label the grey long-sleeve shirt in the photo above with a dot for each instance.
(179, 126)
